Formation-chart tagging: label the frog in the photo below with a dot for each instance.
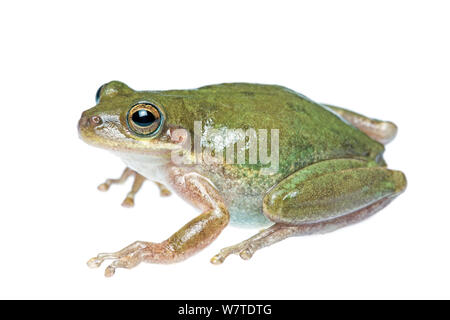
(329, 172)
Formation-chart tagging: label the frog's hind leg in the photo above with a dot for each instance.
(128, 202)
(321, 198)
(381, 131)
(279, 232)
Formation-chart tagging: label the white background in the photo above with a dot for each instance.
(386, 59)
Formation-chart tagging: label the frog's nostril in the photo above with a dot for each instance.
(95, 120)
(86, 121)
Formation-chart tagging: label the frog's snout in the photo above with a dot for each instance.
(87, 121)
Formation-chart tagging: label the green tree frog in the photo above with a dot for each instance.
(245, 154)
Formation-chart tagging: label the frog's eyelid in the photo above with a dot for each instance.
(98, 94)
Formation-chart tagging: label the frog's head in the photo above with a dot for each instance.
(125, 120)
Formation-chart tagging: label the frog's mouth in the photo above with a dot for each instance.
(105, 134)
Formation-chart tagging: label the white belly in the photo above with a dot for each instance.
(151, 167)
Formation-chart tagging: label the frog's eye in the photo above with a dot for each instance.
(98, 94)
(144, 119)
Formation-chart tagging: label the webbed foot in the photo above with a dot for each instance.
(246, 248)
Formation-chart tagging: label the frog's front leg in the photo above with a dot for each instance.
(163, 191)
(123, 178)
(191, 238)
(321, 198)
(137, 184)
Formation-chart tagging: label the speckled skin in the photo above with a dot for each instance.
(314, 141)
(309, 133)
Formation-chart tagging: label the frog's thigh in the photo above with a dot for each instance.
(279, 232)
(321, 198)
(381, 131)
(330, 189)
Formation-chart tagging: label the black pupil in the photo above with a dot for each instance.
(143, 118)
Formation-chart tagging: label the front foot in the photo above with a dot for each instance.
(139, 180)
(128, 202)
(163, 191)
(130, 256)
